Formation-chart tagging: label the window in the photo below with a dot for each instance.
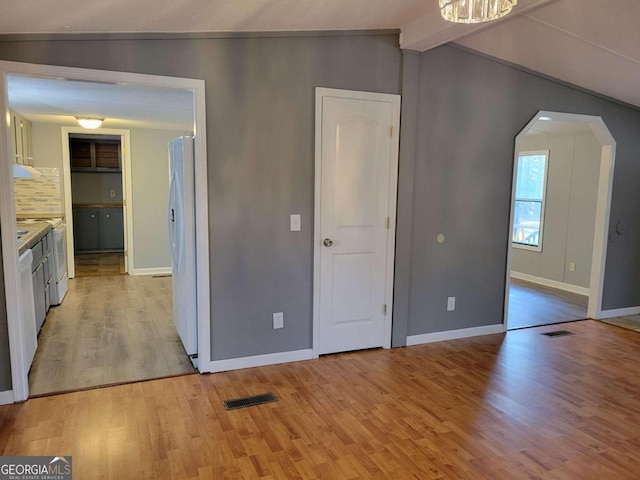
(528, 209)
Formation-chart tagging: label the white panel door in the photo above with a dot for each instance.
(356, 150)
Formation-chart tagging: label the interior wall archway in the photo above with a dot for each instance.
(603, 208)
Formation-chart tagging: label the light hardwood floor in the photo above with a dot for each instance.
(109, 329)
(500, 407)
(99, 264)
(534, 305)
(631, 323)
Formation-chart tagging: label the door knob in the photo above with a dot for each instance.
(328, 242)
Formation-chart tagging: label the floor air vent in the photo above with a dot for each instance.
(249, 401)
(557, 333)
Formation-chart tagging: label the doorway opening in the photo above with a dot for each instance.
(136, 296)
(356, 165)
(561, 197)
(95, 213)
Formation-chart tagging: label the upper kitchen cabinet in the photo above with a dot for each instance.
(21, 141)
(95, 153)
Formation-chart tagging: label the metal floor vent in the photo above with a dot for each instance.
(557, 333)
(249, 401)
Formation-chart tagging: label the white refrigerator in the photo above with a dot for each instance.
(182, 241)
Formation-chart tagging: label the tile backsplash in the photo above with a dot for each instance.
(39, 195)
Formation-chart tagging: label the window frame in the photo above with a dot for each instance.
(543, 203)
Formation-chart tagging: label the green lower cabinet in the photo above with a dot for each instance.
(85, 229)
(111, 228)
(98, 229)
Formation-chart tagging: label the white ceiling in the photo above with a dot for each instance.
(59, 101)
(555, 127)
(45, 16)
(584, 42)
(594, 44)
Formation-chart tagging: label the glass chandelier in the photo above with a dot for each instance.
(475, 11)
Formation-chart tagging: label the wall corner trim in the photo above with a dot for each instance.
(454, 334)
(6, 397)
(260, 360)
(618, 312)
(567, 287)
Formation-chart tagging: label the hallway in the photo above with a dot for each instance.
(108, 330)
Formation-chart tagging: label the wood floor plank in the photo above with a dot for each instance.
(531, 304)
(108, 330)
(514, 406)
(99, 264)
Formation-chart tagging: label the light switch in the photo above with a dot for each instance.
(295, 223)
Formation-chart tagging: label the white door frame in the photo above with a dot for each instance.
(603, 208)
(19, 377)
(322, 92)
(125, 145)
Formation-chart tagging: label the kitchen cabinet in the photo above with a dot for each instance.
(21, 139)
(85, 229)
(41, 276)
(26, 129)
(98, 229)
(111, 228)
(98, 153)
(38, 296)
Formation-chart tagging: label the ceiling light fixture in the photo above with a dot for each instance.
(90, 123)
(475, 11)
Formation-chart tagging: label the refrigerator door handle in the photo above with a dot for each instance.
(172, 220)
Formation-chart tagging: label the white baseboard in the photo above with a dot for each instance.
(6, 397)
(151, 271)
(454, 334)
(567, 287)
(260, 360)
(618, 312)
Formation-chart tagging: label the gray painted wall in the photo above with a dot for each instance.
(470, 110)
(571, 201)
(260, 132)
(404, 218)
(150, 192)
(260, 137)
(5, 362)
(96, 187)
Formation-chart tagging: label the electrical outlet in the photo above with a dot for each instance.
(112, 193)
(451, 304)
(572, 267)
(278, 320)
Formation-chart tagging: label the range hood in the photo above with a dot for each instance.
(24, 171)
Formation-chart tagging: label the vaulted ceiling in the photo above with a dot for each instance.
(587, 43)
(594, 44)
